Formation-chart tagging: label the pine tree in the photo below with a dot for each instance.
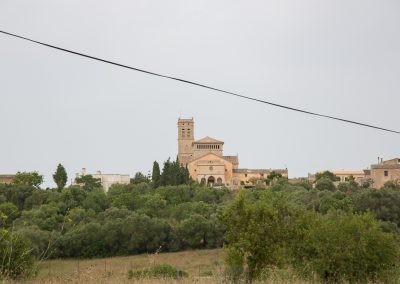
(60, 177)
(156, 175)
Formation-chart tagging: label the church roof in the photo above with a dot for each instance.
(208, 140)
(212, 154)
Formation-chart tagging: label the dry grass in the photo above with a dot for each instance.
(203, 266)
(115, 269)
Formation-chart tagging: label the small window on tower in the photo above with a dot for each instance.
(386, 173)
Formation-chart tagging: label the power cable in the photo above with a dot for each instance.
(201, 85)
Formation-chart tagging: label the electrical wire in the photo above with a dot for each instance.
(202, 85)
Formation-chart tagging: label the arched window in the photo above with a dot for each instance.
(219, 181)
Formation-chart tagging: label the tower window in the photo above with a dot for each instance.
(386, 173)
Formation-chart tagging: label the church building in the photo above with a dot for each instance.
(207, 164)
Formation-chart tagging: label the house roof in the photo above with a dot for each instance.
(385, 166)
(346, 172)
(264, 171)
(7, 175)
(208, 140)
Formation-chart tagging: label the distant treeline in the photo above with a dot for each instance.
(285, 224)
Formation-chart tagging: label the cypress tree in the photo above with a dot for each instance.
(166, 173)
(60, 177)
(156, 175)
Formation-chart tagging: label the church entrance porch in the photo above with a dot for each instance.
(211, 181)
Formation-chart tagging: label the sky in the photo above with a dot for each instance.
(340, 58)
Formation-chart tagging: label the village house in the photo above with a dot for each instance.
(6, 179)
(385, 171)
(107, 180)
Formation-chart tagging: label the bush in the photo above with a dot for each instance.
(325, 184)
(234, 261)
(16, 259)
(266, 232)
(258, 232)
(346, 248)
(157, 271)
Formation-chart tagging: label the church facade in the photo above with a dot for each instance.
(207, 163)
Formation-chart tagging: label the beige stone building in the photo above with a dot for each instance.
(107, 180)
(379, 173)
(207, 163)
(6, 179)
(385, 171)
(360, 176)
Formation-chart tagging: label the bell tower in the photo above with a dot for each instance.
(185, 140)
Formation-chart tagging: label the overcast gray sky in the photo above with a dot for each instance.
(337, 57)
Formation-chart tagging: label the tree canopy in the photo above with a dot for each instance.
(28, 178)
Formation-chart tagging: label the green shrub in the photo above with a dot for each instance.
(325, 184)
(346, 248)
(157, 271)
(235, 264)
(16, 260)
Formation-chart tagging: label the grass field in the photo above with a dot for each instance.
(203, 266)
